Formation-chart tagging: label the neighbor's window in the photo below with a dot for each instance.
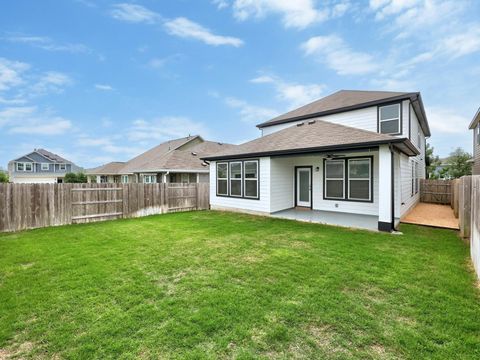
(389, 119)
(236, 178)
(334, 179)
(149, 179)
(192, 178)
(63, 166)
(20, 167)
(125, 179)
(251, 179)
(359, 179)
(45, 166)
(478, 134)
(222, 179)
(28, 166)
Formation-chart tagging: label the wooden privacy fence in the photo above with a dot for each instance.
(475, 223)
(435, 191)
(27, 206)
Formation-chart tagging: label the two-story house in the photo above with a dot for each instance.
(40, 166)
(353, 158)
(475, 126)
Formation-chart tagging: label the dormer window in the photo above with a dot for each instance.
(389, 119)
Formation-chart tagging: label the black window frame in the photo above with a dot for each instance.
(400, 120)
(245, 179)
(346, 179)
(242, 161)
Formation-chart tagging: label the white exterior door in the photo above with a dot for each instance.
(304, 186)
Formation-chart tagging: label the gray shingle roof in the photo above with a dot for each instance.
(51, 156)
(107, 169)
(311, 136)
(340, 100)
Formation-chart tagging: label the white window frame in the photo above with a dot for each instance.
(24, 167)
(362, 179)
(245, 179)
(62, 167)
(152, 179)
(18, 166)
(45, 166)
(223, 179)
(230, 179)
(329, 178)
(124, 179)
(380, 120)
(478, 134)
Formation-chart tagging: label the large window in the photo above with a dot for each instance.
(348, 179)
(359, 178)
(222, 179)
(251, 179)
(238, 179)
(21, 166)
(389, 119)
(334, 179)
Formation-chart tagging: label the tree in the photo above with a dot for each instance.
(75, 178)
(432, 161)
(458, 164)
(3, 177)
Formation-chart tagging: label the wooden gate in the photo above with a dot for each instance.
(96, 202)
(435, 191)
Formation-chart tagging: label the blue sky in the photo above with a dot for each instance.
(97, 81)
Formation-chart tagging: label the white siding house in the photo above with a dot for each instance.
(353, 158)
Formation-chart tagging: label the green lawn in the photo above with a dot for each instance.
(212, 284)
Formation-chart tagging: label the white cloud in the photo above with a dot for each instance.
(42, 126)
(134, 13)
(12, 115)
(164, 128)
(460, 44)
(51, 82)
(104, 87)
(251, 113)
(46, 43)
(186, 28)
(294, 94)
(337, 55)
(446, 121)
(295, 14)
(220, 4)
(11, 73)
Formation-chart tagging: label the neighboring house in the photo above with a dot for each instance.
(174, 161)
(40, 166)
(353, 158)
(475, 126)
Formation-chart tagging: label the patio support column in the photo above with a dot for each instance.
(385, 188)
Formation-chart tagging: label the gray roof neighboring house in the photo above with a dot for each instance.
(347, 100)
(313, 136)
(182, 154)
(54, 158)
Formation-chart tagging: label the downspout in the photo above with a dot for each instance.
(393, 185)
(165, 176)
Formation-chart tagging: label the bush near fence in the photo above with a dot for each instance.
(28, 206)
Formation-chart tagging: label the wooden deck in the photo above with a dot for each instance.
(435, 215)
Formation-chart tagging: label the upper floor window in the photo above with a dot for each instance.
(21, 166)
(389, 119)
(63, 166)
(45, 166)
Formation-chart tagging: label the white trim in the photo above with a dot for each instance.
(171, 170)
(42, 166)
(222, 179)
(152, 179)
(331, 178)
(309, 171)
(24, 164)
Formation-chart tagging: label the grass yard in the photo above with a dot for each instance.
(222, 285)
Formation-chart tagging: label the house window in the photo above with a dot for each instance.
(251, 179)
(359, 179)
(20, 167)
(125, 179)
(149, 179)
(222, 179)
(334, 179)
(45, 166)
(389, 119)
(236, 178)
(192, 178)
(478, 134)
(419, 141)
(103, 179)
(63, 167)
